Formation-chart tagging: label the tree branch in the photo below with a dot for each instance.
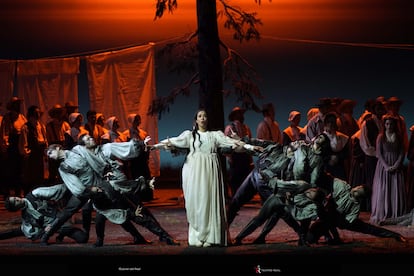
(182, 55)
(162, 105)
(243, 77)
(162, 5)
(243, 23)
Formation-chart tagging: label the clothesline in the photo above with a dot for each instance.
(400, 46)
(82, 55)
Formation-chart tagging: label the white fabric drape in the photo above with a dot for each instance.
(46, 82)
(7, 70)
(123, 82)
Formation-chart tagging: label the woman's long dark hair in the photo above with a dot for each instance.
(195, 126)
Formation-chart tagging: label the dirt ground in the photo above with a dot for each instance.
(280, 255)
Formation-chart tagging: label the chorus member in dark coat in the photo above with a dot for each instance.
(95, 130)
(268, 129)
(56, 127)
(338, 163)
(315, 125)
(10, 131)
(140, 165)
(240, 163)
(32, 145)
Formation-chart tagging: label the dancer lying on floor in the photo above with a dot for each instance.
(38, 209)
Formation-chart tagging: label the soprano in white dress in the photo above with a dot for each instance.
(202, 181)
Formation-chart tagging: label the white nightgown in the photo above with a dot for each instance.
(203, 186)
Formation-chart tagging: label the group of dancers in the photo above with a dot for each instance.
(290, 180)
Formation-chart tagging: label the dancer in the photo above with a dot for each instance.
(299, 160)
(124, 208)
(277, 206)
(39, 208)
(342, 211)
(84, 167)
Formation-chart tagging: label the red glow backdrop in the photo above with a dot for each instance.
(79, 25)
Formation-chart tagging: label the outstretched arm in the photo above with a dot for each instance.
(161, 145)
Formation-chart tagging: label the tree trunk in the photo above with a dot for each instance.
(210, 68)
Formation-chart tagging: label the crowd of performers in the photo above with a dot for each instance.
(291, 179)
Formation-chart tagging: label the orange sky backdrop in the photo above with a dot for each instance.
(90, 25)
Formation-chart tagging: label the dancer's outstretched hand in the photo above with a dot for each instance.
(147, 139)
(138, 211)
(151, 183)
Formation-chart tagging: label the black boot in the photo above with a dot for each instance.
(148, 221)
(290, 221)
(54, 226)
(169, 240)
(302, 240)
(141, 240)
(78, 235)
(247, 230)
(336, 239)
(99, 242)
(270, 224)
(100, 221)
(138, 238)
(75, 233)
(87, 218)
(315, 231)
(400, 238)
(63, 231)
(59, 238)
